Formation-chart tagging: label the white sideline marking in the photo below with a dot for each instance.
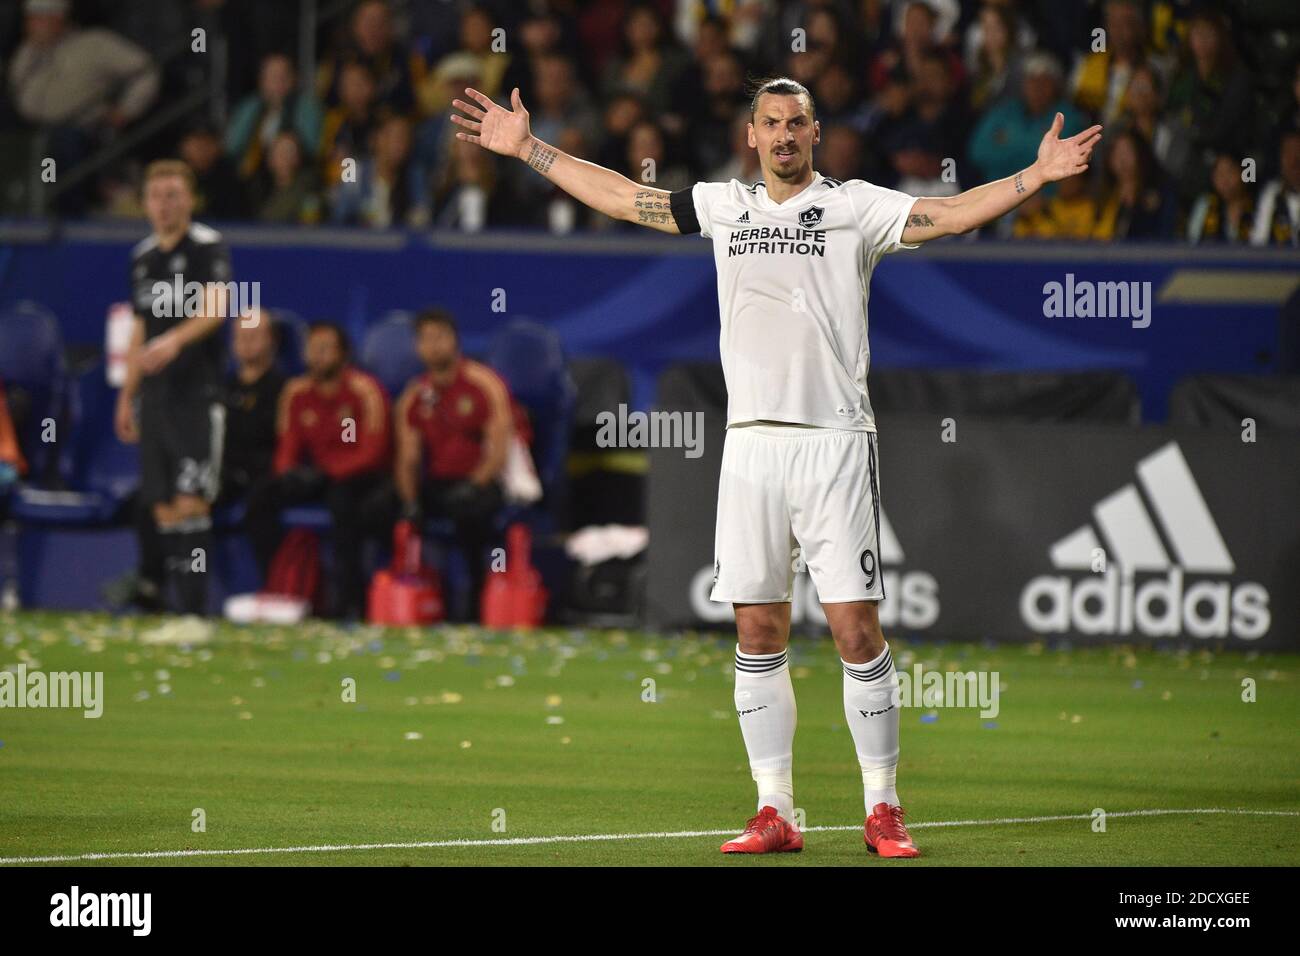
(596, 837)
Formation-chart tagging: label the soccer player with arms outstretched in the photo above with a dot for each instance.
(800, 465)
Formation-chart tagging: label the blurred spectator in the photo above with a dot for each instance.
(434, 135)
(1006, 139)
(651, 64)
(723, 88)
(277, 106)
(83, 79)
(544, 32)
(647, 159)
(1101, 78)
(678, 66)
(840, 154)
(559, 102)
(706, 34)
(996, 44)
(219, 193)
(371, 40)
(1072, 213)
(560, 109)
(117, 192)
(943, 18)
(286, 190)
(389, 189)
(252, 399)
(468, 195)
(453, 425)
(622, 113)
(1209, 101)
(348, 126)
(82, 85)
(1226, 212)
(885, 113)
(828, 41)
(1143, 113)
(1138, 203)
(476, 28)
(1277, 220)
(1283, 112)
(743, 163)
(919, 27)
(333, 446)
(839, 101)
(709, 34)
(932, 131)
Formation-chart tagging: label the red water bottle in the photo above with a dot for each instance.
(515, 597)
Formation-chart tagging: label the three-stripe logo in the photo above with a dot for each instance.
(1174, 536)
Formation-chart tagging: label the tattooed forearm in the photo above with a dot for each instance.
(921, 220)
(1020, 183)
(652, 206)
(541, 157)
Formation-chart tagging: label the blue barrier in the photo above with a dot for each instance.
(651, 301)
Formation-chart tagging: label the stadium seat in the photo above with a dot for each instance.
(530, 358)
(312, 517)
(102, 472)
(388, 352)
(293, 337)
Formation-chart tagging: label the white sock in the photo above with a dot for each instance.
(871, 709)
(765, 705)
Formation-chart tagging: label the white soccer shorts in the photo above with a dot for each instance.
(790, 494)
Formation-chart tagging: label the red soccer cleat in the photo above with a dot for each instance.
(885, 834)
(766, 832)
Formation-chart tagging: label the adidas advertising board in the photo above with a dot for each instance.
(1092, 533)
(1163, 570)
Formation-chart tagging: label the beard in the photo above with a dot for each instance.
(792, 171)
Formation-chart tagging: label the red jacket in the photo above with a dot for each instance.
(452, 419)
(342, 429)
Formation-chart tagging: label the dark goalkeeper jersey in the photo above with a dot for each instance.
(161, 284)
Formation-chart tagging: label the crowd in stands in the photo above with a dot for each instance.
(1201, 105)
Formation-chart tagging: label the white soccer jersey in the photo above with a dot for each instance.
(793, 282)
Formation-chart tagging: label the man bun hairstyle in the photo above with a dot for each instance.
(780, 86)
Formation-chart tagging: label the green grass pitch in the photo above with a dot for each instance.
(461, 734)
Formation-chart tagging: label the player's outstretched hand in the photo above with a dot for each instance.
(493, 127)
(1061, 158)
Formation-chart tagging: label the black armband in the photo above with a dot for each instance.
(683, 209)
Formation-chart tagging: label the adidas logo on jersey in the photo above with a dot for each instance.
(743, 217)
(1135, 585)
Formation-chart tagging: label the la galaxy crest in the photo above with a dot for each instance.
(811, 216)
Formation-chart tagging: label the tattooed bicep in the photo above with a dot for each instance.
(652, 207)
